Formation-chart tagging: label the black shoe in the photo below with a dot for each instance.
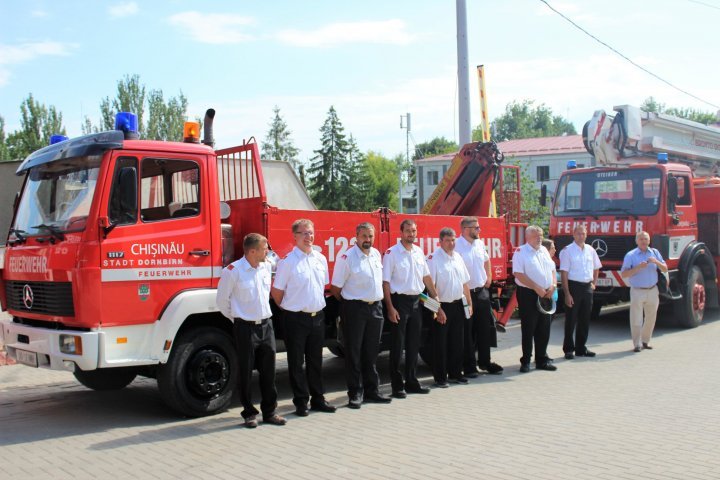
(492, 368)
(637, 349)
(250, 422)
(546, 366)
(524, 368)
(323, 406)
(569, 355)
(377, 398)
(302, 411)
(355, 403)
(441, 385)
(399, 394)
(458, 380)
(471, 374)
(500, 327)
(419, 389)
(645, 347)
(586, 353)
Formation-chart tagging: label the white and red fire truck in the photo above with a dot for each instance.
(656, 173)
(117, 245)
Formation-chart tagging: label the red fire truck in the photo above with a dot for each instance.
(656, 173)
(117, 245)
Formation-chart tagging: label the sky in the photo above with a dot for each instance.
(372, 60)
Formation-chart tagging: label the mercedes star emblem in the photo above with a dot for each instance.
(28, 297)
(600, 247)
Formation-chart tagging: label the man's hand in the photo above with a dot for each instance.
(393, 315)
(441, 318)
(569, 300)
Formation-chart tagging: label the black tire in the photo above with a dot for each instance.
(690, 310)
(104, 379)
(200, 375)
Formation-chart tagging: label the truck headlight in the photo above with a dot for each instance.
(71, 344)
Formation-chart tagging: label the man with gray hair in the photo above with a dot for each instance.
(534, 272)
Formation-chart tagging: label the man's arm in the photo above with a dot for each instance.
(392, 314)
(488, 272)
(566, 288)
(277, 295)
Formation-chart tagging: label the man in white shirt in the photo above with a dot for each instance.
(357, 284)
(534, 273)
(243, 296)
(450, 275)
(579, 269)
(480, 333)
(299, 289)
(405, 276)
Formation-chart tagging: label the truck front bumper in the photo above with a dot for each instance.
(40, 347)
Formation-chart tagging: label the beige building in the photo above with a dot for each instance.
(544, 159)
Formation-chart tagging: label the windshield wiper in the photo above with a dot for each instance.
(19, 234)
(582, 212)
(53, 229)
(621, 210)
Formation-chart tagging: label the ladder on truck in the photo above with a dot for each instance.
(633, 135)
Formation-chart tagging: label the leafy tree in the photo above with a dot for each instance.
(277, 144)
(652, 105)
(525, 120)
(165, 119)
(359, 189)
(4, 154)
(383, 173)
(37, 124)
(436, 146)
(531, 211)
(329, 169)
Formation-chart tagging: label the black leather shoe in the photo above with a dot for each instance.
(586, 353)
(569, 356)
(399, 394)
(355, 403)
(500, 327)
(377, 398)
(492, 368)
(458, 380)
(546, 366)
(441, 385)
(323, 406)
(472, 374)
(301, 411)
(646, 346)
(419, 389)
(524, 368)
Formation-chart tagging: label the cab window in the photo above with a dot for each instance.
(169, 189)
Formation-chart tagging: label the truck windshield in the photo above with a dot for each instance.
(608, 192)
(57, 197)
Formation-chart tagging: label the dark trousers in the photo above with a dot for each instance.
(361, 326)
(480, 333)
(304, 341)
(577, 317)
(256, 349)
(448, 342)
(535, 327)
(405, 335)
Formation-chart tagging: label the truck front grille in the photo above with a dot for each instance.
(48, 298)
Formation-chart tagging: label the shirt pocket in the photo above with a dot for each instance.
(247, 291)
(318, 269)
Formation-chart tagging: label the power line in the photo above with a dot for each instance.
(628, 59)
(705, 4)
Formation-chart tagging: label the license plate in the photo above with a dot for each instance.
(604, 282)
(27, 358)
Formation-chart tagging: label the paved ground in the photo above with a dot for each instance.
(652, 415)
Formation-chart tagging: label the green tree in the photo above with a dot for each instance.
(525, 120)
(165, 119)
(329, 169)
(359, 189)
(277, 144)
(37, 124)
(531, 211)
(4, 154)
(383, 173)
(436, 146)
(652, 105)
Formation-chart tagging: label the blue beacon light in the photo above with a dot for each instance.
(662, 158)
(127, 123)
(57, 139)
(571, 165)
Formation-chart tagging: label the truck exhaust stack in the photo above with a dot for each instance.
(208, 127)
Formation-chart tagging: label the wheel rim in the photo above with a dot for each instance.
(698, 300)
(208, 373)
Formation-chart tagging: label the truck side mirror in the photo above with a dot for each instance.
(543, 195)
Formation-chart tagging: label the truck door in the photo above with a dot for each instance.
(158, 240)
(683, 229)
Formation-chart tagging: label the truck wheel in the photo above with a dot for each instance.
(691, 308)
(104, 379)
(200, 375)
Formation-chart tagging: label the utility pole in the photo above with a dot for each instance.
(463, 76)
(406, 126)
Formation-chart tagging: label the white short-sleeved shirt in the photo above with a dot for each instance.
(449, 274)
(404, 270)
(475, 256)
(536, 264)
(303, 278)
(359, 275)
(244, 291)
(580, 263)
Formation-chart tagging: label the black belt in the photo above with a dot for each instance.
(459, 300)
(406, 295)
(254, 322)
(362, 301)
(476, 290)
(308, 314)
(584, 284)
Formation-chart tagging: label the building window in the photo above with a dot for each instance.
(432, 177)
(543, 173)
